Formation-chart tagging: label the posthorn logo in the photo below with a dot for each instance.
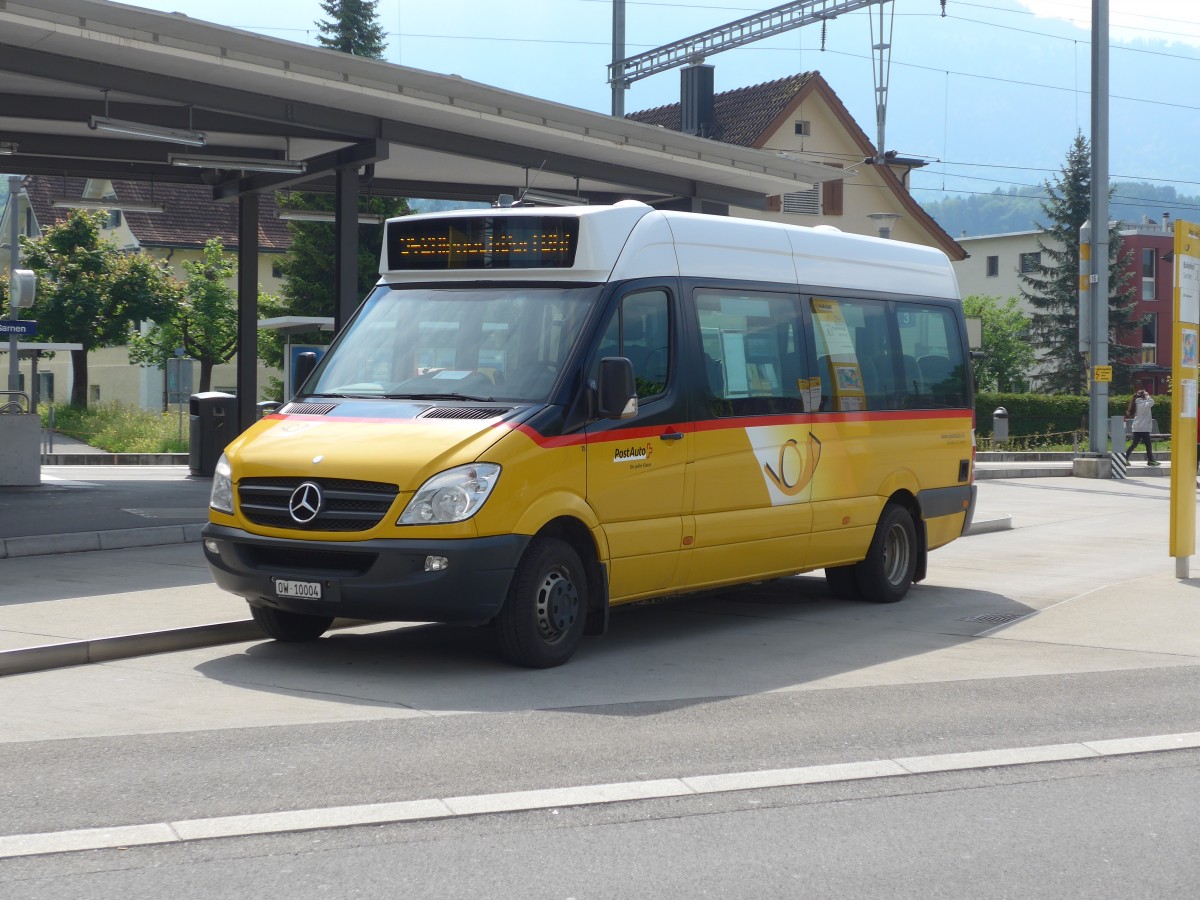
(305, 503)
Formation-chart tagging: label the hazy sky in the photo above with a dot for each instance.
(992, 93)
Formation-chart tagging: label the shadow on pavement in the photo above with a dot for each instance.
(771, 637)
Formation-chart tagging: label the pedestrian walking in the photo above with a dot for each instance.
(1140, 406)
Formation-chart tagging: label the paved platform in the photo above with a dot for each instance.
(102, 561)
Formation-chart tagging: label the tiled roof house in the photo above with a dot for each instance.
(801, 113)
(178, 233)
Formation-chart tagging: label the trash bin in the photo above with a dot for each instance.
(1000, 425)
(212, 425)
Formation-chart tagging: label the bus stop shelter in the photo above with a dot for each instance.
(105, 90)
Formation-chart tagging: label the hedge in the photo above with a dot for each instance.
(1032, 414)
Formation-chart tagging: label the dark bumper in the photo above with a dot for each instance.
(383, 580)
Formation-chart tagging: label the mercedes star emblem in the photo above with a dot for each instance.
(305, 503)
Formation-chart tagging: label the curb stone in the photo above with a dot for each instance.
(83, 541)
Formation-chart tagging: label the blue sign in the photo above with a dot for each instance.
(17, 328)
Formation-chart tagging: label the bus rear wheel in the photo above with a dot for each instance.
(887, 572)
(288, 626)
(842, 582)
(541, 623)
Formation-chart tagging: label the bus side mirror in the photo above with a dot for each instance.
(303, 367)
(616, 394)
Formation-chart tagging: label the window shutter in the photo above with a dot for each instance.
(803, 203)
(831, 195)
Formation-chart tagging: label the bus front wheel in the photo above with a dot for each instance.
(887, 572)
(541, 623)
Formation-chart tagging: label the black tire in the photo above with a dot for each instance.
(289, 626)
(887, 573)
(842, 583)
(541, 623)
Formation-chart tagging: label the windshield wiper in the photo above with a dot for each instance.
(344, 396)
(450, 396)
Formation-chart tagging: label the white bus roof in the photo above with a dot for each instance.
(633, 240)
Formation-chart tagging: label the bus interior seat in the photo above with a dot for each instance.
(716, 376)
(938, 375)
(914, 384)
(871, 383)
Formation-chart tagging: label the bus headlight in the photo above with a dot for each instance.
(451, 496)
(221, 498)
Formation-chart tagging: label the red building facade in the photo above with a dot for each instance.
(1149, 248)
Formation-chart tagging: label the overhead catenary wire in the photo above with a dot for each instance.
(955, 6)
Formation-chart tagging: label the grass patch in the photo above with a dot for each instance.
(120, 428)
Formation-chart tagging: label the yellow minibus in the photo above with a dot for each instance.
(541, 413)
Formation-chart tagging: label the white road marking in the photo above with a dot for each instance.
(584, 795)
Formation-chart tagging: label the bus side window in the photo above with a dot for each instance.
(753, 352)
(929, 337)
(640, 330)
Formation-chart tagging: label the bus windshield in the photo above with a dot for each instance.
(478, 343)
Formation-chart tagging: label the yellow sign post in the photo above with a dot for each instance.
(1102, 373)
(1185, 338)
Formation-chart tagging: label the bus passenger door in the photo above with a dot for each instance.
(636, 467)
(755, 455)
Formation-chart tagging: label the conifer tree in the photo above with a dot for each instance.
(1051, 286)
(352, 27)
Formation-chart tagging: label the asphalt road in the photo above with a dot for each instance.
(1067, 631)
(1081, 830)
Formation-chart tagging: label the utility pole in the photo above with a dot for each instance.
(619, 84)
(1098, 390)
(14, 232)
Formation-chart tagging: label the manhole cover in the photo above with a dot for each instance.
(994, 618)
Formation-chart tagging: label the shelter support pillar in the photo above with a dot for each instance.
(247, 320)
(345, 266)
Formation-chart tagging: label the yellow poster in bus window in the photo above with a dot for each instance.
(844, 373)
(828, 315)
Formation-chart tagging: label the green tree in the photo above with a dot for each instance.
(308, 265)
(352, 27)
(204, 321)
(1007, 353)
(1052, 287)
(90, 292)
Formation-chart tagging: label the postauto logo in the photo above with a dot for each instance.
(629, 454)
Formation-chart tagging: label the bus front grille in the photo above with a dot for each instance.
(345, 505)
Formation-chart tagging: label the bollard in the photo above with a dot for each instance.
(1116, 434)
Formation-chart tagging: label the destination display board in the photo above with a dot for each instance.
(482, 242)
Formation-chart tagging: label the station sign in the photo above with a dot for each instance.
(17, 328)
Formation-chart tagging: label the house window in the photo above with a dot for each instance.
(803, 203)
(1149, 257)
(93, 393)
(276, 271)
(1030, 262)
(804, 128)
(1150, 340)
(993, 266)
(114, 219)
